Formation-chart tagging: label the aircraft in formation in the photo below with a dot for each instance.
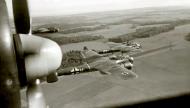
(97, 62)
(26, 58)
(45, 30)
(121, 47)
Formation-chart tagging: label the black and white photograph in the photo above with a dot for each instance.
(94, 53)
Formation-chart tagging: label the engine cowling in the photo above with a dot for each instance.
(131, 59)
(128, 66)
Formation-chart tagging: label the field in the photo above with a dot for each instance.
(163, 73)
(125, 23)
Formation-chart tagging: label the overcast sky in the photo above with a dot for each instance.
(56, 7)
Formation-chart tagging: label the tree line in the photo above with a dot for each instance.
(76, 39)
(142, 33)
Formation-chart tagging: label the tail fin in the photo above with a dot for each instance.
(85, 48)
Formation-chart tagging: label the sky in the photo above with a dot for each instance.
(65, 7)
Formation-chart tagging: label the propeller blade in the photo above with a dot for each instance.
(21, 16)
(9, 84)
(35, 95)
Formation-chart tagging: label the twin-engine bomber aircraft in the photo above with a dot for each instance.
(95, 61)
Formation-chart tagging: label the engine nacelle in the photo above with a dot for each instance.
(122, 61)
(82, 69)
(131, 59)
(128, 66)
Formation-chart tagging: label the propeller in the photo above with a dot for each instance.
(40, 56)
(35, 95)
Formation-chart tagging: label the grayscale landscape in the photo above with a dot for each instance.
(162, 65)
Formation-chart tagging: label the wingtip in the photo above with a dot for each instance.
(129, 75)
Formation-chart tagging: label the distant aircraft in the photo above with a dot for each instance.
(45, 30)
(123, 48)
(121, 57)
(96, 62)
(133, 44)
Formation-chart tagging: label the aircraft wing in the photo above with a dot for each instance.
(112, 44)
(106, 66)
